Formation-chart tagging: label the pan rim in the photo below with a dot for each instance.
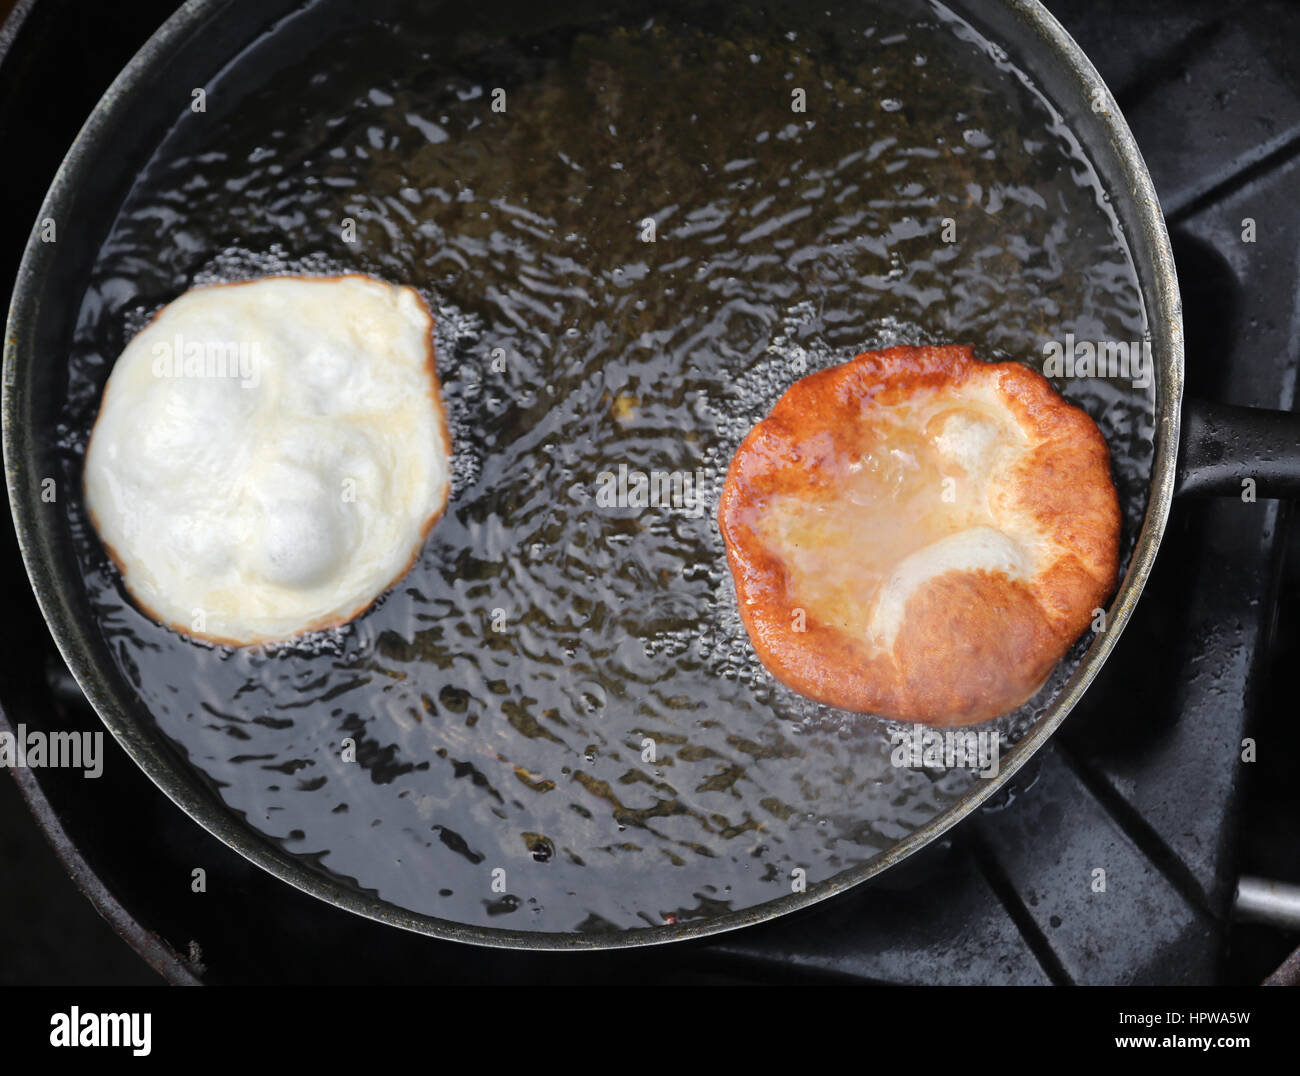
(205, 808)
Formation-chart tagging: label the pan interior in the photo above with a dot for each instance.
(558, 722)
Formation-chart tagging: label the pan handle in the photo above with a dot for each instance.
(1223, 445)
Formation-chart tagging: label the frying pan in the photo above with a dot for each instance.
(1198, 449)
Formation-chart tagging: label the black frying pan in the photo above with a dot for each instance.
(59, 342)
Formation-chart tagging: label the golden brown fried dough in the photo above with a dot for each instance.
(919, 534)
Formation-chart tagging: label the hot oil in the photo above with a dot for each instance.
(559, 690)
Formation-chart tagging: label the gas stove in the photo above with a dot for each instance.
(1146, 781)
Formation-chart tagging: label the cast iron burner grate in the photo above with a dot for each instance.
(1145, 781)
